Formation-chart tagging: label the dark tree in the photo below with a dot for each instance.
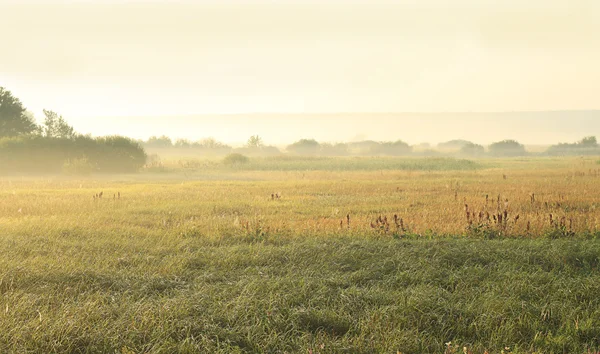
(56, 127)
(14, 120)
(589, 141)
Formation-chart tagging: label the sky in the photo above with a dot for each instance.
(96, 62)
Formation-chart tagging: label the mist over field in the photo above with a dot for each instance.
(530, 128)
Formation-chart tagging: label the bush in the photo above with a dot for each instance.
(118, 154)
(38, 154)
(235, 159)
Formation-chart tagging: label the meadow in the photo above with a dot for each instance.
(305, 255)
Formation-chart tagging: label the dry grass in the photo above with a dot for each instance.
(562, 200)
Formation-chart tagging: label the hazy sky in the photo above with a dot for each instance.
(89, 59)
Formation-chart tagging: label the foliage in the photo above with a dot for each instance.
(14, 120)
(79, 166)
(38, 154)
(56, 127)
(208, 146)
(589, 141)
(254, 141)
(507, 148)
(396, 148)
(472, 149)
(211, 143)
(375, 148)
(235, 159)
(337, 149)
(304, 147)
(182, 143)
(364, 148)
(263, 151)
(159, 142)
(453, 145)
(586, 146)
(117, 154)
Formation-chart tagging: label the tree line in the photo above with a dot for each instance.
(463, 148)
(54, 146)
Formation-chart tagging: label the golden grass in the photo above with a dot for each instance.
(519, 198)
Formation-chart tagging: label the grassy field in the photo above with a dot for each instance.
(263, 258)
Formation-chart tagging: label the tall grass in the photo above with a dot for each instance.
(299, 261)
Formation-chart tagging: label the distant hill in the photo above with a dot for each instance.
(531, 128)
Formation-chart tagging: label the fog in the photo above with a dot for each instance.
(142, 68)
(531, 128)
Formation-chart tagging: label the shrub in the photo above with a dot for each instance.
(118, 154)
(38, 154)
(235, 159)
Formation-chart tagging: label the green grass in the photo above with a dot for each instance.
(77, 291)
(209, 262)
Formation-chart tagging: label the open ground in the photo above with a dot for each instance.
(320, 255)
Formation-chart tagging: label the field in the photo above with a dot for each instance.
(356, 255)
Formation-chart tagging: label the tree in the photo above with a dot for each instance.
(56, 127)
(589, 141)
(507, 148)
(472, 149)
(254, 141)
(159, 142)
(365, 147)
(182, 143)
(14, 119)
(586, 146)
(338, 149)
(454, 145)
(398, 147)
(305, 147)
(235, 159)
